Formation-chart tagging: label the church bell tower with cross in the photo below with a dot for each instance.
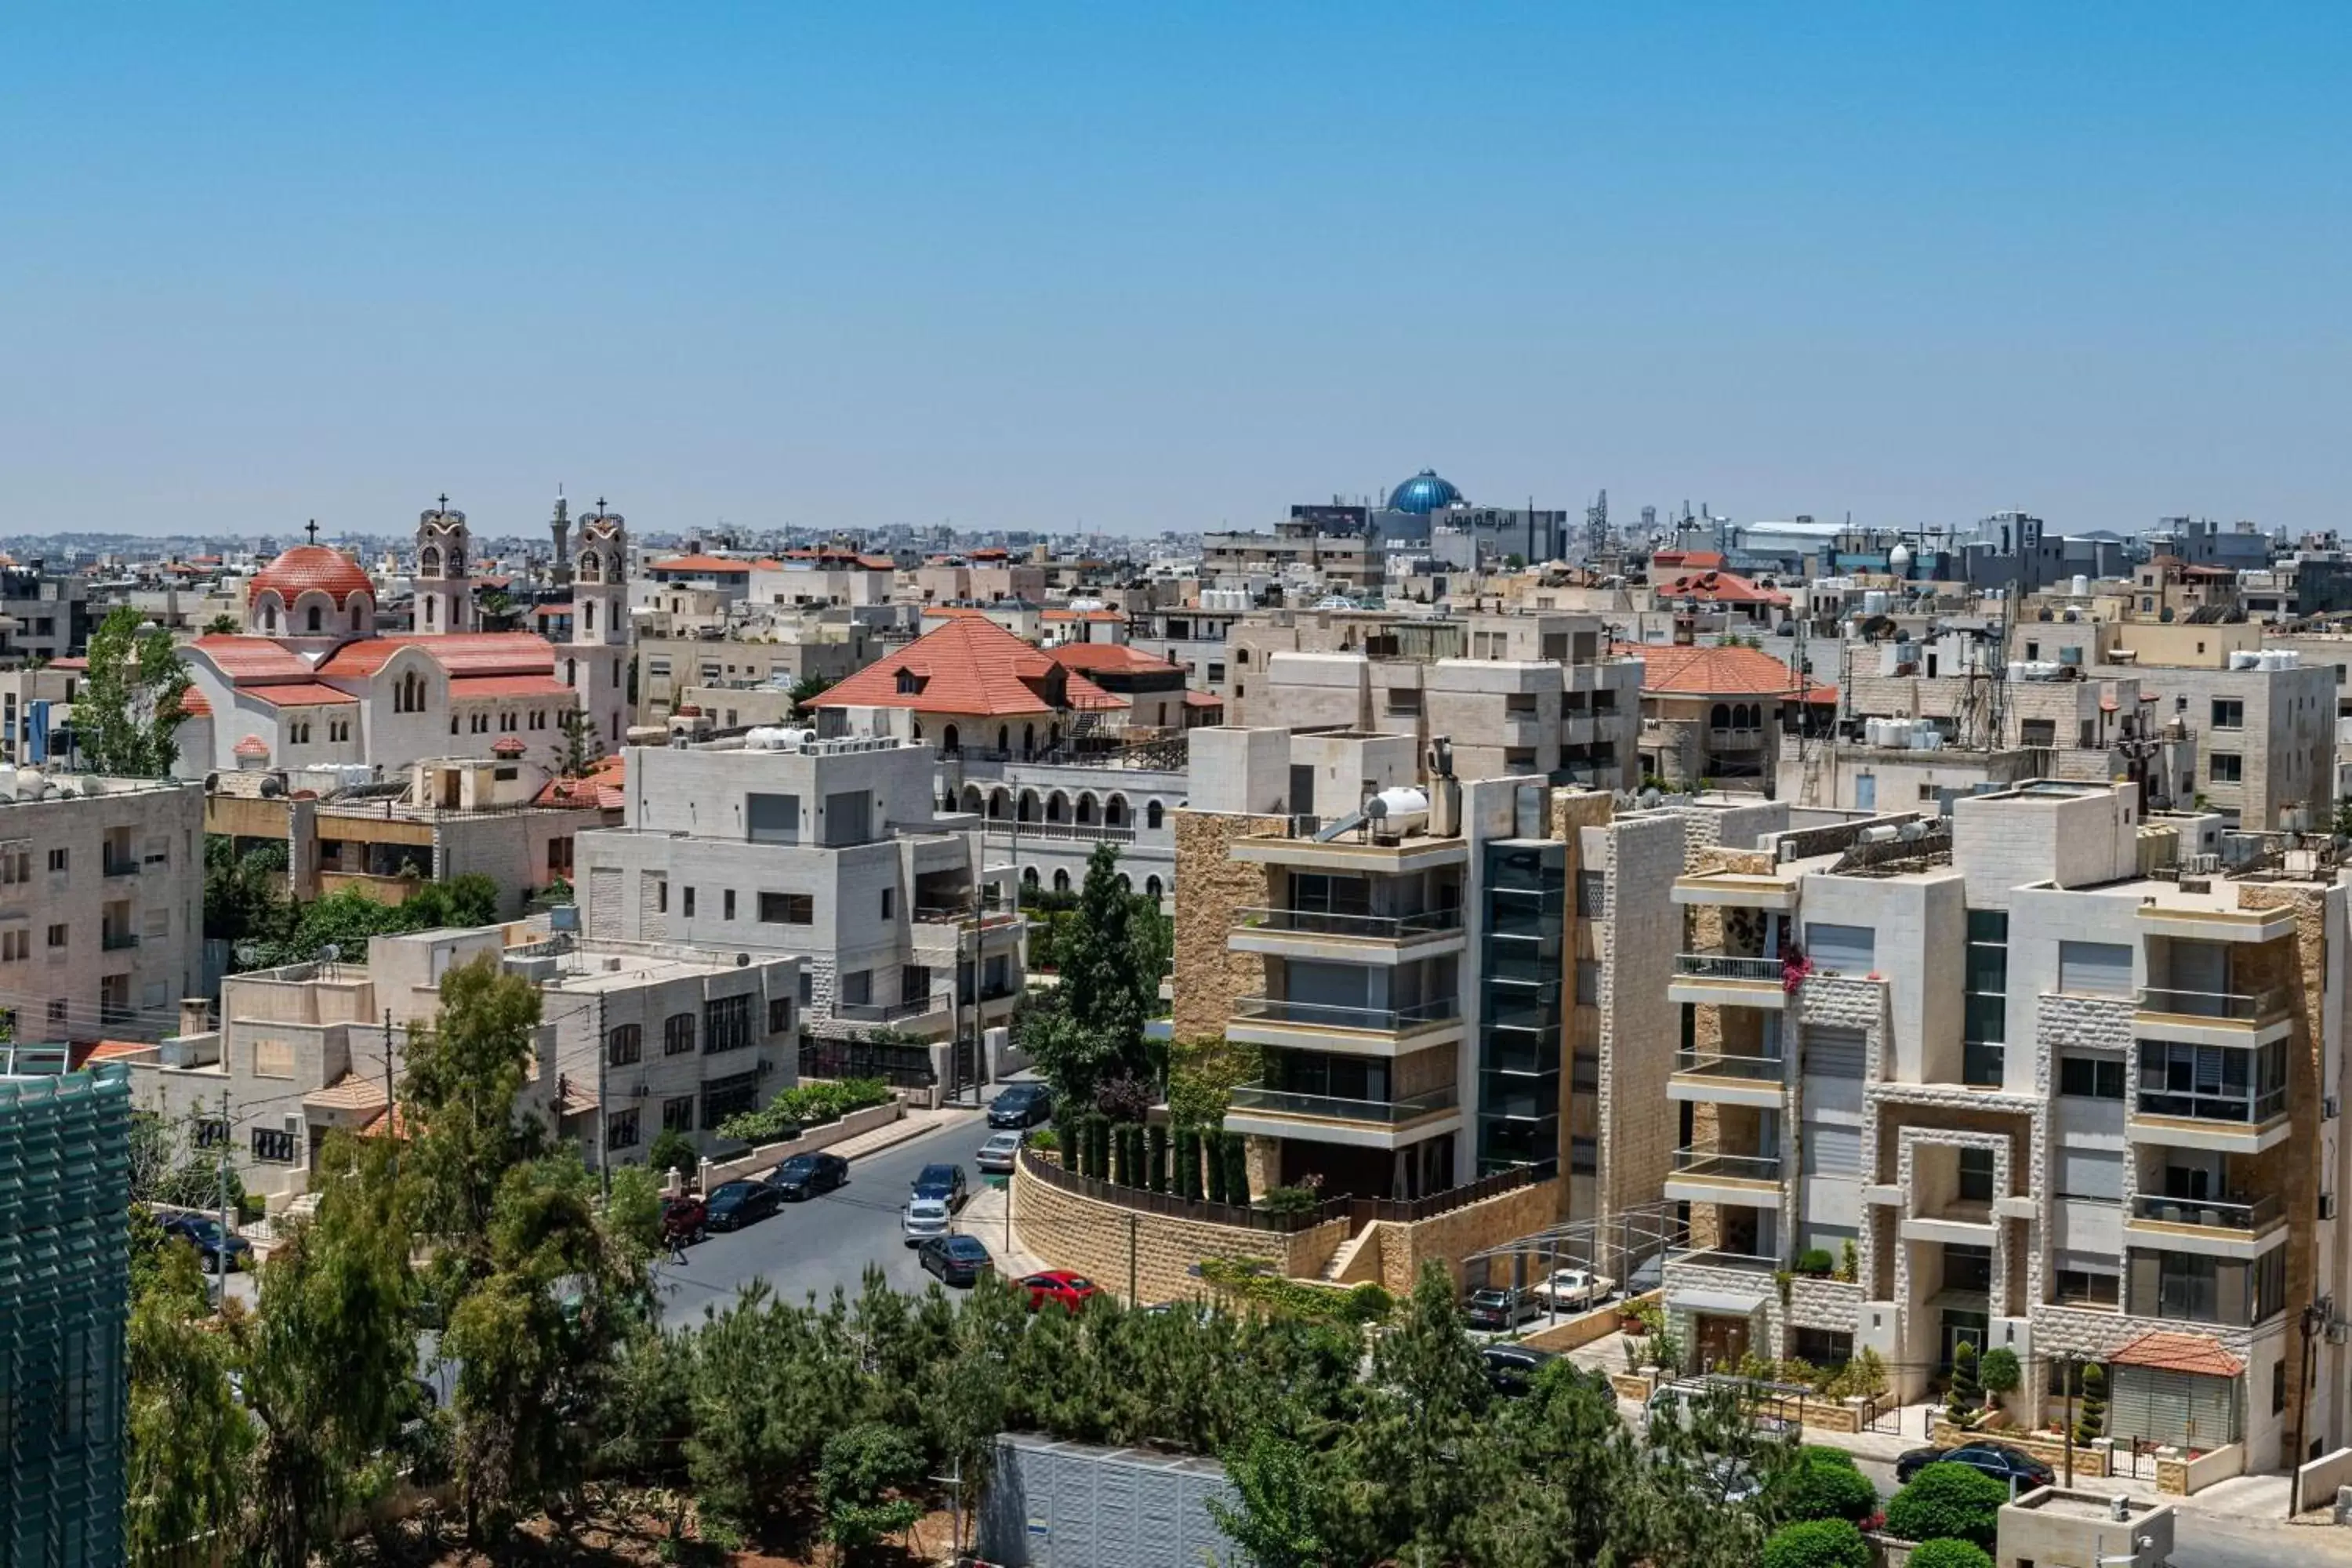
(444, 582)
(595, 662)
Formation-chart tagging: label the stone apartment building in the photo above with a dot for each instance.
(752, 658)
(101, 904)
(2022, 1083)
(832, 850)
(632, 1038)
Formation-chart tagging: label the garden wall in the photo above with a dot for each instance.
(713, 1173)
(1070, 1230)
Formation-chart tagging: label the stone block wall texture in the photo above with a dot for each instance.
(1641, 931)
(1447, 1237)
(1210, 887)
(1069, 1230)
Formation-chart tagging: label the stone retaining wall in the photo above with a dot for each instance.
(1095, 1237)
(1446, 1238)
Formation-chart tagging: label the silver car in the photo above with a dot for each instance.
(924, 1218)
(998, 1153)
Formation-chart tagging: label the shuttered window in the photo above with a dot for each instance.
(2177, 1407)
(2091, 1173)
(1832, 1151)
(1841, 950)
(2095, 969)
(1835, 1053)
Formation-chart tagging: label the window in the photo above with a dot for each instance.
(2090, 1077)
(2227, 767)
(689, 904)
(678, 1034)
(780, 1015)
(1587, 983)
(772, 818)
(58, 935)
(621, 1128)
(2095, 968)
(889, 903)
(729, 1096)
(915, 983)
(1404, 699)
(787, 908)
(2278, 1375)
(1976, 1175)
(2088, 1288)
(2228, 713)
(624, 1045)
(678, 1114)
(1217, 667)
(727, 904)
(274, 1146)
(858, 987)
(807, 987)
(727, 1024)
(57, 860)
(660, 886)
(15, 945)
(1967, 1268)
(1984, 1008)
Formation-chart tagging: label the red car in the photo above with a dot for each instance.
(1072, 1290)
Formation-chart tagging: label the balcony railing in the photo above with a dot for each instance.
(1727, 966)
(2211, 1213)
(1325, 922)
(1284, 1102)
(2236, 1006)
(1079, 832)
(1716, 1258)
(2242, 1108)
(1715, 1064)
(116, 940)
(109, 866)
(885, 1012)
(1703, 1162)
(1324, 1014)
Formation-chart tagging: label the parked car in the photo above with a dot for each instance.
(998, 1153)
(1021, 1105)
(1499, 1307)
(956, 1259)
(1998, 1460)
(942, 1181)
(1572, 1289)
(806, 1175)
(204, 1233)
(924, 1218)
(1511, 1369)
(687, 1217)
(738, 1204)
(1072, 1290)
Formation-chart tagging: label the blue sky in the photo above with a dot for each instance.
(1135, 268)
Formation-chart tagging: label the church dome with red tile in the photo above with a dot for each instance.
(308, 568)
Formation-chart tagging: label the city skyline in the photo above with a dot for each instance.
(1078, 271)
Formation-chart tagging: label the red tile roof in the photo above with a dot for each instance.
(1713, 587)
(701, 565)
(470, 688)
(603, 786)
(1084, 694)
(194, 704)
(1712, 671)
(564, 608)
(1083, 616)
(74, 662)
(967, 663)
(1203, 699)
(1108, 656)
(299, 694)
(2197, 1353)
(1687, 560)
(244, 659)
(116, 1050)
(459, 653)
(309, 567)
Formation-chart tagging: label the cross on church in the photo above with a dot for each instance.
(445, 500)
(599, 506)
(311, 528)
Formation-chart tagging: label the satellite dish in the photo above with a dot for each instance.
(331, 952)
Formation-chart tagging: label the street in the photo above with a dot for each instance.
(809, 1248)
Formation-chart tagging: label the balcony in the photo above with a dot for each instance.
(1718, 1078)
(1320, 1025)
(2208, 1227)
(1721, 979)
(116, 940)
(1324, 933)
(2213, 1018)
(2218, 925)
(1707, 1175)
(111, 865)
(2211, 1214)
(1371, 1123)
(2235, 1122)
(1737, 889)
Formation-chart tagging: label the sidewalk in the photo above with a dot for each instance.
(985, 1217)
(914, 1125)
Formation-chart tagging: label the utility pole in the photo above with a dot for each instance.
(2066, 1379)
(604, 1156)
(2315, 1318)
(220, 1252)
(390, 1096)
(1133, 1221)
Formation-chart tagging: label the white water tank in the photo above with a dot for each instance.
(32, 785)
(1874, 602)
(8, 782)
(2243, 658)
(1398, 810)
(777, 738)
(2081, 587)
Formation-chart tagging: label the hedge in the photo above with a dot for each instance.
(808, 1105)
(1949, 1501)
(1817, 1543)
(1950, 1554)
(1823, 1483)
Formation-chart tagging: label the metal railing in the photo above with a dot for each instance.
(1727, 966)
(1327, 922)
(1718, 1064)
(1144, 1200)
(1716, 1258)
(1286, 1102)
(2211, 1213)
(116, 940)
(110, 867)
(1324, 1014)
(2241, 1106)
(2244, 1007)
(1733, 1167)
(884, 1012)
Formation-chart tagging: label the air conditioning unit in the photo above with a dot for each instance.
(2330, 1108)
(2328, 1206)
(2339, 1333)
(639, 1091)
(292, 1123)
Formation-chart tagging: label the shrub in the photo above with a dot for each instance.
(1045, 1140)
(808, 1105)
(1817, 1543)
(1849, 1261)
(1823, 1483)
(1967, 1394)
(1237, 1187)
(1999, 1373)
(1814, 1263)
(1949, 1502)
(2091, 1411)
(1155, 1158)
(1290, 1200)
(1370, 1303)
(1213, 1140)
(1950, 1554)
(673, 1151)
(1187, 1162)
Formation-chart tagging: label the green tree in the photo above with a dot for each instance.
(1949, 1501)
(864, 1484)
(578, 744)
(465, 1070)
(769, 1381)
(1966, 1396)
(1562, 1486)
(1112, 957)
(807, 691)
(244, 893)
(674, 1150)
(1275, 1523)
(222, 625)
(1999, 1373)
(128, 704)
(1823, 1483)
(191, 1446)
(1817, 1543)
(2091, 1412)
(328, 1353)
(1950, 1554)
(1425, 1406)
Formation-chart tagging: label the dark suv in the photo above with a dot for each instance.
(942, 1181)
(1021, 1105)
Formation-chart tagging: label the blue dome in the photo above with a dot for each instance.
(1423, 493)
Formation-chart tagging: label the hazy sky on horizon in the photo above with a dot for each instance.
(1155, 268)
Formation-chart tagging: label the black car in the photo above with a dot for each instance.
(806, 1175)
(956, 1259)
(1511, 1369)
(1998, 1460)
(1021, 1105)
(942, 1181)
(738, 1204)
(205, 1234)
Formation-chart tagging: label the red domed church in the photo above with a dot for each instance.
(310, 683)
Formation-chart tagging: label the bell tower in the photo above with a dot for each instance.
(594, 664)
(445, 580)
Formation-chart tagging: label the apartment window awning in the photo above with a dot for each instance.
(1713, 1301)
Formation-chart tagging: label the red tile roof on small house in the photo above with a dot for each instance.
(1690, 671)
(701, 565)
(2165, 1350)
(966, 664)
(1716, 587)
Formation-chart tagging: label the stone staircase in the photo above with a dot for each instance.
(1337, 1269)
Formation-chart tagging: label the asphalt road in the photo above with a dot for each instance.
(811, 1246)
